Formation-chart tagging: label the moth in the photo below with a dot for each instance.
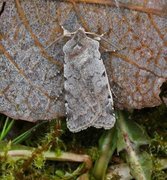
(88, 97)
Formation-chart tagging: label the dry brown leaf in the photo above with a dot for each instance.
(31, 60)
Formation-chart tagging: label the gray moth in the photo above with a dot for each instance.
(88, 98)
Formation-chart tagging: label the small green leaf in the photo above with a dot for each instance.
(58, 152)
(136, 133)
(59, 173)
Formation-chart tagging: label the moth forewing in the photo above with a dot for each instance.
(87, 92)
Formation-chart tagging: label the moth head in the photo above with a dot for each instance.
(79, 35)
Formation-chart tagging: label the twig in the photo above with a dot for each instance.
(48, 155)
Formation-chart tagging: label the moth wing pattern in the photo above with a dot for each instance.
(88, 99)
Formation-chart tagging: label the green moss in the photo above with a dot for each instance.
(55, 137)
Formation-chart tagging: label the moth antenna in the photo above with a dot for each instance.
(113, 45)
(59, 38)
(100, 37)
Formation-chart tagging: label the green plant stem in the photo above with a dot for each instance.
(118, 169)
(107, 148)
(24, 135)
(6, 128)
(133, 159)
